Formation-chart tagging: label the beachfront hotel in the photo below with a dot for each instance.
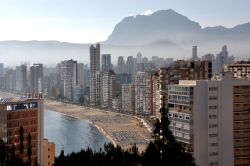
(211, 117)
(28, 113)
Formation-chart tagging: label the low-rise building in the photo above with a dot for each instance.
(49, 152)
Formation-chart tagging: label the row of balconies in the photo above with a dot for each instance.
(240, 143)
(241, 134)
(239, 161)
(241, 116)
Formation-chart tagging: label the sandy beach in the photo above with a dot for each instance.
(120, 129)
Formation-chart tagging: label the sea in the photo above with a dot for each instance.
(71, 134)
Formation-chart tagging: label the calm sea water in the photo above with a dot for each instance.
(71, 134)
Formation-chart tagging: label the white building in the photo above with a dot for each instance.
(95, 75)
(95, 89)
(128, 97)
(202, 117)
(69, 77)
(142, 93)
(107, 89)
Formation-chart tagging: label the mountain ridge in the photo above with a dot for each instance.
(164, 33)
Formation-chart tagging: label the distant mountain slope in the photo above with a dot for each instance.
(174, 27)
(164, 33)
(161, 25)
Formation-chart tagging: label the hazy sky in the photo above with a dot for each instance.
(84, 21)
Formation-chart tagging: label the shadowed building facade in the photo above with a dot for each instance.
(28, 113)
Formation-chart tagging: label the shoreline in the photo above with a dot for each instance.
(101, 130)
(120, 129)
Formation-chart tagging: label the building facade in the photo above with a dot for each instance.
(147, 93)
(49, 152)
(182, 70)
(21, 78)
(95, 82)
(240, 69)
(36, 78)
(69, 77)
(107, 89)
(207, 116)
(26, 113)
(106, 62)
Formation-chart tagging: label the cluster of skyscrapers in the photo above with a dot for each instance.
(208, 98)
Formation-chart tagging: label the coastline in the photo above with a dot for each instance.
(116, 127)
(96, 126)
(120, 129)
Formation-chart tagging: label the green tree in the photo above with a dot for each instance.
(29, 151)
(21, 146)
(165, 149)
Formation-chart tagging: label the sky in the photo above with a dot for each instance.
(88, 21)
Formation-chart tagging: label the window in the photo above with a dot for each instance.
(212, 116)
(214, 144)
(213, 154)
(213, 163)
(212, 97)
(212, 107)
(213, 88)
(213, 125)
(213, 135)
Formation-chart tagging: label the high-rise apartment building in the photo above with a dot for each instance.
(21, 78)
(141, 96)
(194, 54)
(139, 57)
(147, 93)
(222, 59)
(27, 113)
(240, 69)
(95, 89)
(95, 81)
(130, 65)
(106, 62)
(86, 76)
(94, 52)
(121, 67)
(69, 77)
(183, 70)
(36, 78)
(80, 74)
(128, 97)
(107, 88)
(9, 80)
(211, 118)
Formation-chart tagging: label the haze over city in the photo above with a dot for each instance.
(91, 21)
(124, 83)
